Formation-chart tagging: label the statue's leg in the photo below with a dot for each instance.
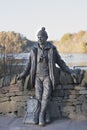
(38, 92)
(47, 88)
(38, 89)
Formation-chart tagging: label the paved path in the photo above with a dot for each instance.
(13, 123)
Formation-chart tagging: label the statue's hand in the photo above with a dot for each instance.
(20, 82)
(74, 76)
(19, 77)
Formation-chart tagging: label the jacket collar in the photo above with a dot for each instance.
(47, 46)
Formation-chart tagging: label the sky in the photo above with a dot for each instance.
(57, 16)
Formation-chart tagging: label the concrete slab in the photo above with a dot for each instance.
(14, 123)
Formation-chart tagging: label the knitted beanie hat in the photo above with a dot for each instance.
(42, 32)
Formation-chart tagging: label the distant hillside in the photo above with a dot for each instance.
(14, 42)
(72, 43)
(69, 43)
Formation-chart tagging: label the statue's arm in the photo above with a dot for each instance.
(60, 62)
(26, 70)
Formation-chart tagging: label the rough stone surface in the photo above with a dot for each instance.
(68, 100)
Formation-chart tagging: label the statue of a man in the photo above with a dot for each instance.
(41, 68)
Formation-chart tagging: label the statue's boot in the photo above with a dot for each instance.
(42, 119)
(42, 113)
(47, 117)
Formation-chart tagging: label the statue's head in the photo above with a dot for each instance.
(42, 36)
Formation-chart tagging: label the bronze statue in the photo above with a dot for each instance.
(42, 70)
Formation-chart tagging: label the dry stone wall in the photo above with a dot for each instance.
(67, 100)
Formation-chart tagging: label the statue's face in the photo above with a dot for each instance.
(41, 39)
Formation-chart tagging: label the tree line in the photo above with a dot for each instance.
(16, 42)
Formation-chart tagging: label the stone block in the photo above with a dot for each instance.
(75, 116)
(84, 108)
(83, 92)
(58, 93)
(72, 96)
(10, 94)
(82, 98)
(69, 87)
(21, 111)
(74, 92)
(78, 109)
(54, 109)
(19, 98)
(4, 99)
(58, 87)
(68, 109)
(2, 95)
(78, 87)
(14, 88)
(6, 107)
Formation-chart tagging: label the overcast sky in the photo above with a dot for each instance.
(58, 16)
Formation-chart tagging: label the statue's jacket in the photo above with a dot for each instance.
(53, 58)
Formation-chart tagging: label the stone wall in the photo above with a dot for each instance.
(67, 100)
